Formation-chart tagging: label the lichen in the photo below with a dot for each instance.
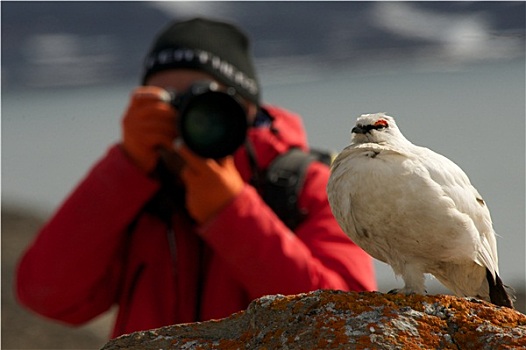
(333, 319)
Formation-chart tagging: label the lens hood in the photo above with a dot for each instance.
(212, 121)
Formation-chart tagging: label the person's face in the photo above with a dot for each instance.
(180, 80)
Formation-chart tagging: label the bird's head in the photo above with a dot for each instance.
(376, 128)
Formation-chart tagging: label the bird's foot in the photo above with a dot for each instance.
(404, 291)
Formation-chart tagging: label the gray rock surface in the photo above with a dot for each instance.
(333, 320)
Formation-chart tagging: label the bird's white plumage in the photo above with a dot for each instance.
(413, 209)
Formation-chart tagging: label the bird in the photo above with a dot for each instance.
(415, 210)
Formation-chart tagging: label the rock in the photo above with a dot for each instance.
(334, 319)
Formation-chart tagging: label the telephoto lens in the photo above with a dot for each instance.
(212, 121)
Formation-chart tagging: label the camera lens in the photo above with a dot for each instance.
(213, 124)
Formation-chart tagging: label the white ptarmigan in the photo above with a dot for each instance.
(415, 210)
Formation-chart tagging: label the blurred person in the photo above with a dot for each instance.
(173, 234)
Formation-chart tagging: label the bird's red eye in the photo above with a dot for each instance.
(381, 123)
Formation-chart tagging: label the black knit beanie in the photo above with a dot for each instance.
(217, 48)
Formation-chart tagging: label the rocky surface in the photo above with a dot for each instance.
(332, 319)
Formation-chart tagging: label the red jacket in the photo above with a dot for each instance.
(86, 258)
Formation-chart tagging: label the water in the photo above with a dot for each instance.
(473, 115)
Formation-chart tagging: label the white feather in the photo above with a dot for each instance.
(413, 209)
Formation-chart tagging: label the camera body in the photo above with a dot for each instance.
(212, 121)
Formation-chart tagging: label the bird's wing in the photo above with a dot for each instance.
(457, 186)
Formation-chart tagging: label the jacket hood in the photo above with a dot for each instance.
(287, 131)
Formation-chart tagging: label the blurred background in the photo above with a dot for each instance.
(452, 73)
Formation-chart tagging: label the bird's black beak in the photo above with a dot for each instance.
(358, 129)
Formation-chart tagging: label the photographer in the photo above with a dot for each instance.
(178, 231)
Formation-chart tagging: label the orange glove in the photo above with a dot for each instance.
(210, 184)
(148, 124)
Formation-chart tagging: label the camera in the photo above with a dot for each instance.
(212, 121)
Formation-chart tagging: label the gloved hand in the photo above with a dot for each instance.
(210, 184)
(148, 125)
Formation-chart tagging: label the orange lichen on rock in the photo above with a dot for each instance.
(335, 319)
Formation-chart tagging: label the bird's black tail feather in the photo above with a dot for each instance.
(497, 291)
